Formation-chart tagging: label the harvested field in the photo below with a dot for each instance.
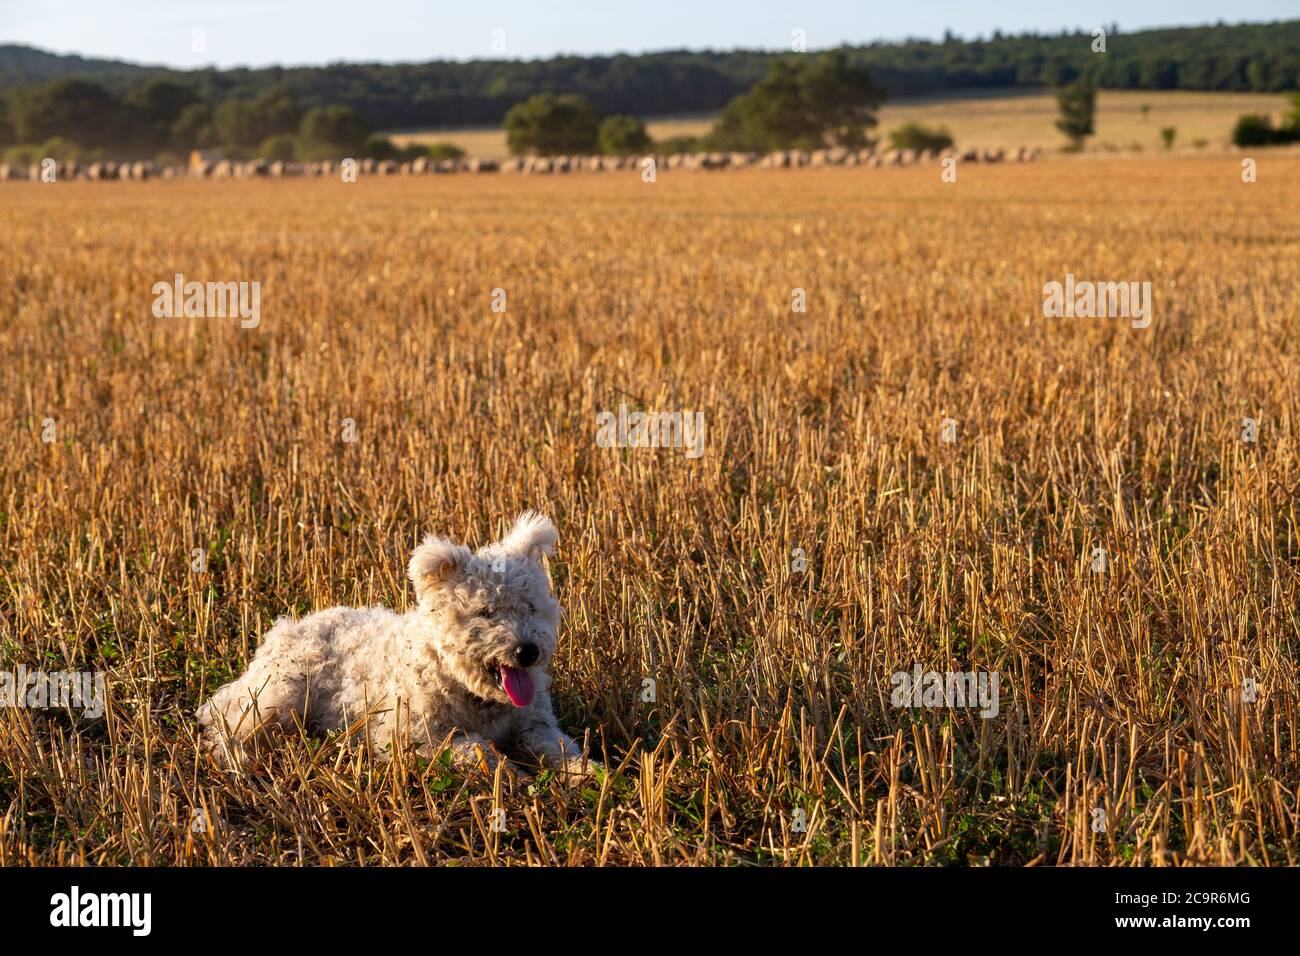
(1160, 689)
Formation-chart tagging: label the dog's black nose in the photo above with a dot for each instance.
(527, 654)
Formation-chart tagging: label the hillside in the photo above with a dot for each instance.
(25, 65)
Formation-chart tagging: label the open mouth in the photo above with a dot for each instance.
(516, 682)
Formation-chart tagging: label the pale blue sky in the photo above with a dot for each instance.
(261, 32)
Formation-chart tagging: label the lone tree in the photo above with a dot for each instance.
(804, 102)
(1078, 106)
(549, 125)
(328, 132)
(623, 136)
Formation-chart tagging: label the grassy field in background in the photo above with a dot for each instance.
(491, 143)
(1006, 118)
(772, 737)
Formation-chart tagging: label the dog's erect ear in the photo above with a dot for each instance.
(532, 536)
(435, 563)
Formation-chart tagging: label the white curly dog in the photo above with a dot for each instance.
(468, 669)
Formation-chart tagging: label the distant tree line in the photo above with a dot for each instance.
(1247, 57)
(112, 107)
(77, 118)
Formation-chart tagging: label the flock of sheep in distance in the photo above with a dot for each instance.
(211, 167)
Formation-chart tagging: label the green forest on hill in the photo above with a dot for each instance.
(1246, 57)
(68, 105)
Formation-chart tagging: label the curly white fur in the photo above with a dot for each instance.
(441, 673)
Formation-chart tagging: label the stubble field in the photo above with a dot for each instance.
(772, 737)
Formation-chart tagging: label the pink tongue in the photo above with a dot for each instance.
(519, 686)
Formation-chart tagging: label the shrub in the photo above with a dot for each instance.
(1255, 129)
(918, 137)
(59, 148)
(441, 151)
(378, 147)
(547, 124)
(382, 148)
(328, 132)
(681, 144)
(281, 146)
(623, 136)
(23, 155)
(404, 154)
